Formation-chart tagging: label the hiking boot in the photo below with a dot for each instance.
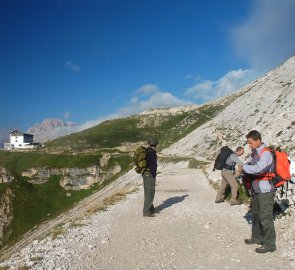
(152, 209)
(252, 241)
(148, 214)
(219, 201)
(265, 249)
(234, 202)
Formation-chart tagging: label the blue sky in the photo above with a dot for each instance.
(86, 61)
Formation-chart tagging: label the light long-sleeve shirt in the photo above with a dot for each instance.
(232, 160)
(259, 165)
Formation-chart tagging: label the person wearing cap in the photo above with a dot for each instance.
(149, 178)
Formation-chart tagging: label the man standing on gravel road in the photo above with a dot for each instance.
(149, 178)
(260, 167)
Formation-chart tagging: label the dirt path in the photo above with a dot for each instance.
(189, 232)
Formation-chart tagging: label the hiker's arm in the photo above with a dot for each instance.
(239, 165)
(236, 160)
(263, 164)
(239, 171)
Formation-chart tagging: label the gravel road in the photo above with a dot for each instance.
(190, 231)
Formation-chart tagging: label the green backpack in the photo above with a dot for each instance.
(139, 159)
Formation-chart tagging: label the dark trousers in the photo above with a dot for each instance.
(149, 184)
(263, 229)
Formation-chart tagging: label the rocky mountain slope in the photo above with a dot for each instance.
(268, 105)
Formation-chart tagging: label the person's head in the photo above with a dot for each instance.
(153, 142)
(240, 151)
(254, 139)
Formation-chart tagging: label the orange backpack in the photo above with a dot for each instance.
(282, 168)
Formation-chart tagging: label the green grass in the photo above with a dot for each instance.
(108, 134)
(3, 188)
(243, 195)
(125, 162)
(196, 164)
(59, 230)
(117, 132)
(16, 162)
(33, 204)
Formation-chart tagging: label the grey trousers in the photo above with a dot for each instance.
(149, 184)
(228, 179)
(263, 229)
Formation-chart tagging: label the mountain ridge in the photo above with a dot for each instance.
(48, 129)
(268, 105)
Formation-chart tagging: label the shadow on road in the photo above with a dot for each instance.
(169, 202)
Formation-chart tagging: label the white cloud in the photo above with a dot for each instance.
(147, 90)
(73, 67)
(136, 104)
(157, 100)
(67, 115)
(267, 36)
(230, 82)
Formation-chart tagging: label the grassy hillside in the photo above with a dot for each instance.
(134, 129)
(15, 162)
(35, 203)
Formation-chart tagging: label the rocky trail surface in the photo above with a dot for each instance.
(189, 231)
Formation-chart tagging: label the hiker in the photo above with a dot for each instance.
(259, 167)
(229, 175)
(149, 178)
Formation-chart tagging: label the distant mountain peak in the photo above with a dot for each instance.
(48, 129)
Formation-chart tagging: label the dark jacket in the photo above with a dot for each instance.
(151, 160)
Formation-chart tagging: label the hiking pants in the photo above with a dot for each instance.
(149, 183)
(263, 229)
(228, 178)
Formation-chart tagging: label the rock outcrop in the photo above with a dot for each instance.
(6, 215)
(71, 178)
(5, 177)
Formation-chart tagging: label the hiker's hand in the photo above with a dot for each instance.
(238, 173)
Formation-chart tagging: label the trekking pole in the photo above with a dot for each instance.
(282, 191)
(287, 188)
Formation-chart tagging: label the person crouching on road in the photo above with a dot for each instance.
(260, 167)
(229, 177)
(149, 178)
